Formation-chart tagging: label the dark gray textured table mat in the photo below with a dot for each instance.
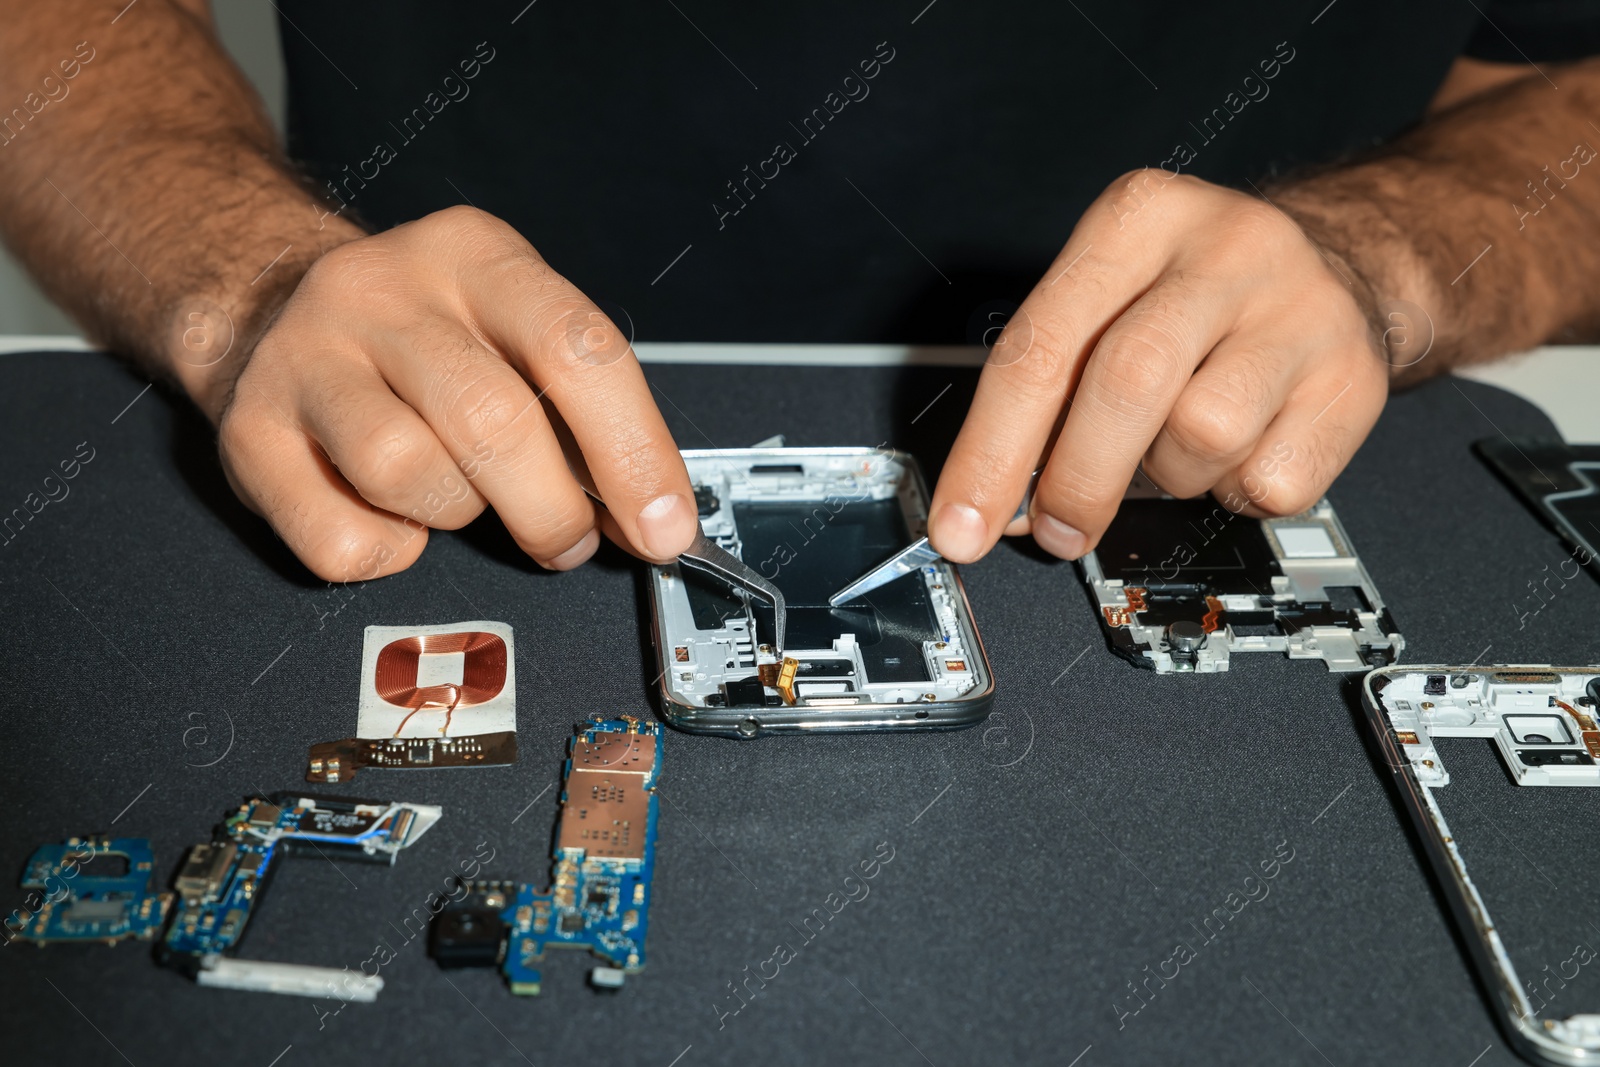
(160, 649)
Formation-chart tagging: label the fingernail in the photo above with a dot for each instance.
(1057, 538)
(578, 553)
(667, 525)
(961, 532)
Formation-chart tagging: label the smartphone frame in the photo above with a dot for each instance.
(1534, 1039)
(834, 716)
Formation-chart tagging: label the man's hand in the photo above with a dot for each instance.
(1188, 329)
(417, 375)
(394, 382)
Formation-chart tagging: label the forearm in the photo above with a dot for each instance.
(1486, 218)
(147, 192)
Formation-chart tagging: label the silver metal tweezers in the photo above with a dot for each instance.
(706, 555)
(913, 557)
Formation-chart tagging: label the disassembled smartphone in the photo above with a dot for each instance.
(431, 697)
(1542, 722)
(1181, 585)
(221, 882)
(811, 520)
(603, 862)
(1559, 481)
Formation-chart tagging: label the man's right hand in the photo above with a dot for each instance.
(419, 374)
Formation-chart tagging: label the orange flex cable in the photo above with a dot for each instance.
(1584, 722)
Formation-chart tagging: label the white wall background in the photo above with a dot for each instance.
(250, 30)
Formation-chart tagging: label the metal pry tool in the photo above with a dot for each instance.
(913, 557)
(708, 556)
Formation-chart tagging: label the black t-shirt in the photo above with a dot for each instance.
(844, 171)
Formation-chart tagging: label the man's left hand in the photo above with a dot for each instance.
(1187, 329)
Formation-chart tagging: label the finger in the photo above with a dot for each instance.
(493, 426)
(1034, 366)
(613, 531)
(1305, 447)
(582, 362)
(385, 449)
(1040, 356)
(1140, 366)
(578, 554)
(1222, 412)
(279, 473)
(604, 520)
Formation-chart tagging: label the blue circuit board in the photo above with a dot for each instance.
(222, 880)
(604, 858)
(603, 862)
(80, 902)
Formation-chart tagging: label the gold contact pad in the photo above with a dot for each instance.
(633, 754)
(607, 807)
(605, 815)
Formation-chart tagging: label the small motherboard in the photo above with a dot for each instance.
(221, 882)
(603, 861)
(94, 889)
(1542, 722)
(1181, 585)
